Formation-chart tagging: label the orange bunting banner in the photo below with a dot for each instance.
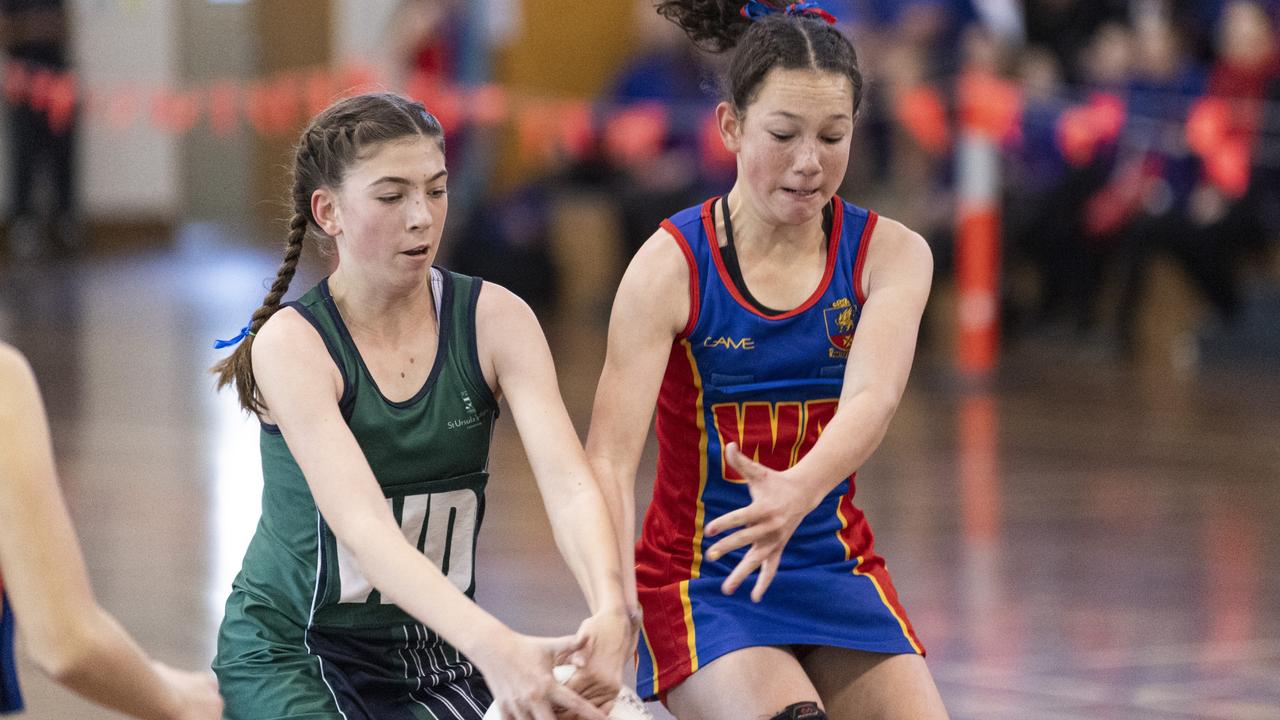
(923, 115)
(714, 157)
(489, 104)
(38, 90)
(280, 104)
(1082, 130)
(272, 107)
(548, 129)
(1207, 125)
(1076, 136)
(120, 108)
(635, 133)
(318, 90)
(536, 130)
(444, 102)
(577, 128)
(224, 100)
(1228, 167)
(61, 102)
(1107, 114)
(355, 79)
(176, 111)
(1223, 149)
(448, 108)
(989, 105)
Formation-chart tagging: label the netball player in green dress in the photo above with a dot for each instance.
(377, 391)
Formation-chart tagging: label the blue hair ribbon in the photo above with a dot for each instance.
(244, 333)
(754, 10)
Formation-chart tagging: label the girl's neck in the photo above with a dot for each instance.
(382, 312)
(755, 236)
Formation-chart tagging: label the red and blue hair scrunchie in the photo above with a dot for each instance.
(754, 10)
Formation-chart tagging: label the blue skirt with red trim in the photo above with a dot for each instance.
(825, 593)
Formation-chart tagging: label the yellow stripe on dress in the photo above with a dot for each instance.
(888, 606)
(695, 569)
(844, 524)
(652, 658)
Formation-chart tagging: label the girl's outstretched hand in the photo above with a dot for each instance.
(518, 670)
(608, 639)
(195, 694)
(776, 509)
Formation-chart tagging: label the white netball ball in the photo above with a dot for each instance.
(628, 706)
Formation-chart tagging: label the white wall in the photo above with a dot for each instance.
(217, 42)
(360, 30)
(133, 173)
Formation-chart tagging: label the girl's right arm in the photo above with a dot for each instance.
(651, 308)
(301, 388)
(70, 637)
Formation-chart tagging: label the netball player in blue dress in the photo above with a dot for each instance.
(774, 328)
(68, 635)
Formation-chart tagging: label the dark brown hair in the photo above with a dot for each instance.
(778, 40)
(333, 141)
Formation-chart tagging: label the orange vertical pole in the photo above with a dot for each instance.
(987, 109)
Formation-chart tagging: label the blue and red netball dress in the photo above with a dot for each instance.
(769, 383)
(10, 698)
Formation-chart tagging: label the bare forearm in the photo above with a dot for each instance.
(619, 498)
(98, 660)
(584, 535)
(846, 442)
(618, 488)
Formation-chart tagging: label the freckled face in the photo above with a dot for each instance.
(793, 143)
(392, 205)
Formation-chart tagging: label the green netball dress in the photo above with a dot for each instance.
(305, 635)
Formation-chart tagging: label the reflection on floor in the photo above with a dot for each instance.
(1078, 541)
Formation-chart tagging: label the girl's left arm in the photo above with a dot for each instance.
(896, 281)
(515, 358)
(897, 277)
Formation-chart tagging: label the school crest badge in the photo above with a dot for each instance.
(841, 318)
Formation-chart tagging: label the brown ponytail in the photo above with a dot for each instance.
(760, 45)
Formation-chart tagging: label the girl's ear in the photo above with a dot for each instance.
(730, 127)
(325, 209)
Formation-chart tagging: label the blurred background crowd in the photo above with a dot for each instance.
(1138, 173)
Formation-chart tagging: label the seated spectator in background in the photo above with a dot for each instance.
(509, 236)
(917, 37)
(423, 39)
(1069, 232)
(1166, 84)
(1043, 199)
(666, 69)
(35, 37)
(1266, 178)
(1063, 27)
(1236, 200)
